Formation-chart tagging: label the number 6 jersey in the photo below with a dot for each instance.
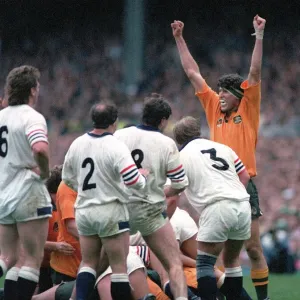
(96, 166)
(212, 170)
(157, 153)
(20, 128)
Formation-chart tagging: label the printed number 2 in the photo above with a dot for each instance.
(213, 156)
(86, 184)
(138, 157)
(3, 141)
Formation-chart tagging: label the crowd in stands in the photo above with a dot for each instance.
(78, 71)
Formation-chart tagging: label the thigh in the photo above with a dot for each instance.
(164, 245)
(90, 249)
(254, 240)
(117, 248)
(9, 240)
(146, 217)
(33, 235)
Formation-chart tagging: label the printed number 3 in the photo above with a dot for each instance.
(213, 156)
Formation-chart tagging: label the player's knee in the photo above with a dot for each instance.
(254, 251)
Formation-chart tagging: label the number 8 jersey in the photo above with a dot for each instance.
(157, 153)
(212, 170)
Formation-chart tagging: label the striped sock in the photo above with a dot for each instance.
(260, 280)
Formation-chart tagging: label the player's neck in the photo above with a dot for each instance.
(102, 131)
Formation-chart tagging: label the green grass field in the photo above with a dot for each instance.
(282, 287)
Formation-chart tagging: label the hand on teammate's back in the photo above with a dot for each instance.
(65, 248)
(144, 172)
(177, 28)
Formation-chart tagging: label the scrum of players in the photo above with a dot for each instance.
(105, 224)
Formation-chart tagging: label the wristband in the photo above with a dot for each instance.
(259, 34)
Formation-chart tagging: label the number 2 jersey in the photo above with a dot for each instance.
(20, 128)
(97, 167)
(212, 170)
(157, 153)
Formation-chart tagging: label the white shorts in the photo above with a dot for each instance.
(103, 220)
(225, 220)
(36, 204)
(134, 262)
(146, 217)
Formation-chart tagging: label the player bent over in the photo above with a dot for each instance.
(217, 180)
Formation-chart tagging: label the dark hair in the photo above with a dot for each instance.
(19, 83)
(103, 115)
(54, 179)
(186, 129)
(155, 109)
(230, 81)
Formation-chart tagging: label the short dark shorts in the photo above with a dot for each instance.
(254, 200)
(58, 277)
(65, 289)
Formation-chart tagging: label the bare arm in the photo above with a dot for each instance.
(244, 178)
(41, 156)
(187, 261)
(188, 63)
(256, 61)
(72, 228)
(170, 192)
(62, 247)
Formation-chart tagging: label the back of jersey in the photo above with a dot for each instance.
(93, 166)
(20, 127)
(157, 153)
(212, 169)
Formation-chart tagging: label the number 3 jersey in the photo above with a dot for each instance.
(212, 170)
(157, 153)
(97, 166)
(20, 128)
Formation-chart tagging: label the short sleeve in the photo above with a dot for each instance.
(36, 129)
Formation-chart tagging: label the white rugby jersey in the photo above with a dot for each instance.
(20, 128)
(157, 153)
(183, 225)
(212, 169)
(97, 166)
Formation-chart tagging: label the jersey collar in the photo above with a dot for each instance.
(98, 135)
(182, 146)
(147, 127)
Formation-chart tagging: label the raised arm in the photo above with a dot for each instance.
(188, 63)
(256, 61)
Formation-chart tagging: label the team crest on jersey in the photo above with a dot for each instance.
(219, 122)
(237, 119)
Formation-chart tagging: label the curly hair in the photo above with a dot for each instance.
(54, 179)
(103, 114)
(155, 109)
(230, 81)
(186, 129)
(19, 83)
